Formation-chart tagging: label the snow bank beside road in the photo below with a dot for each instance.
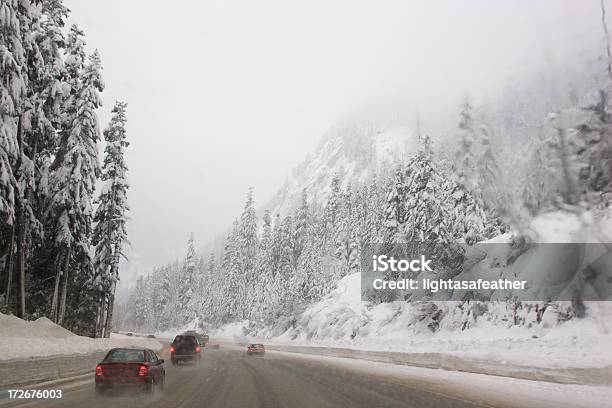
(342, 320)
(21, 339)
(496, 391)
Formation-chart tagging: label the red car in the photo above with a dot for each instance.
(130, 366)
(256, 350)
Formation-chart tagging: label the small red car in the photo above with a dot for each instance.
(256, 350)
(130, 366)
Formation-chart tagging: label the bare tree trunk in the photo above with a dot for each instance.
(62, 305)
(20, 264)
(109, 313)
(58, 276)
(605, 28)
(97, 322)
(20, 227)
(9, 268)
(104, 315)
(101, 316)
(111, 295)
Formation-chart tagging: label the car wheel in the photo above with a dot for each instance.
(99, 389)
(174, 362)
(162, 382)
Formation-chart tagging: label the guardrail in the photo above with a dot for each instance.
(25, 372)
(17, 373)
(566, 375)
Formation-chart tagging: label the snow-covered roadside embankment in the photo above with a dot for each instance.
(38, 351)
(20, 339)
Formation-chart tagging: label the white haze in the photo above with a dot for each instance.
(229, 94)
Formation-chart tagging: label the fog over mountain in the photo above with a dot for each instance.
(239, 92)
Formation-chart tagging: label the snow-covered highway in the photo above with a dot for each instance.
(229, 378)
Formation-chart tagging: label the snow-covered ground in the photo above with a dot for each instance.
(20, 339)
(496, 391)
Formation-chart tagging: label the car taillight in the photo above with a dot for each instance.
(172, 349)
(99, 370)
(142, 371)
(197, 349)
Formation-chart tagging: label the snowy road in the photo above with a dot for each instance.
(229, 378)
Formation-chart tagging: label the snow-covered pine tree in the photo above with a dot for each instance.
(109, 233)
(263, 271)
(248, 245)
(488, 170)
(488, 191)
(12, 92)
(74, 62)
(231, 270)
(140, 306)
(75, 171)
(248, 232)
(24, 171)
(44, 44)
(464, 160)
(302, 221)
(346, 248)
(208, 291)
(17, 48)
(432, 217)
(395, 215)
(374, 227)
(165, 297)
(188, 283)
(316, 283)
(281, 266)
(593, 152)
(332, 209)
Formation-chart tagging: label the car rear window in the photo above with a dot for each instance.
(125, 355)
(185, 340)
(257, 346)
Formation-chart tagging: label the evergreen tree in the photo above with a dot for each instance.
(231, 269)
(248, 233)
(19, 19)
(188, 283)
(281, 265)
(464, 159)
(12, 93)
(332, 209)
(395, 215)
(140, 305)
(110, 232)
(302, 220)
(75, 171)
(593, 152)
(346, 247)
(165, 297)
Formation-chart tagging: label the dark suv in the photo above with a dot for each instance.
(185, 347)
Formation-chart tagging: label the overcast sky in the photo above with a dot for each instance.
(229, 94)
